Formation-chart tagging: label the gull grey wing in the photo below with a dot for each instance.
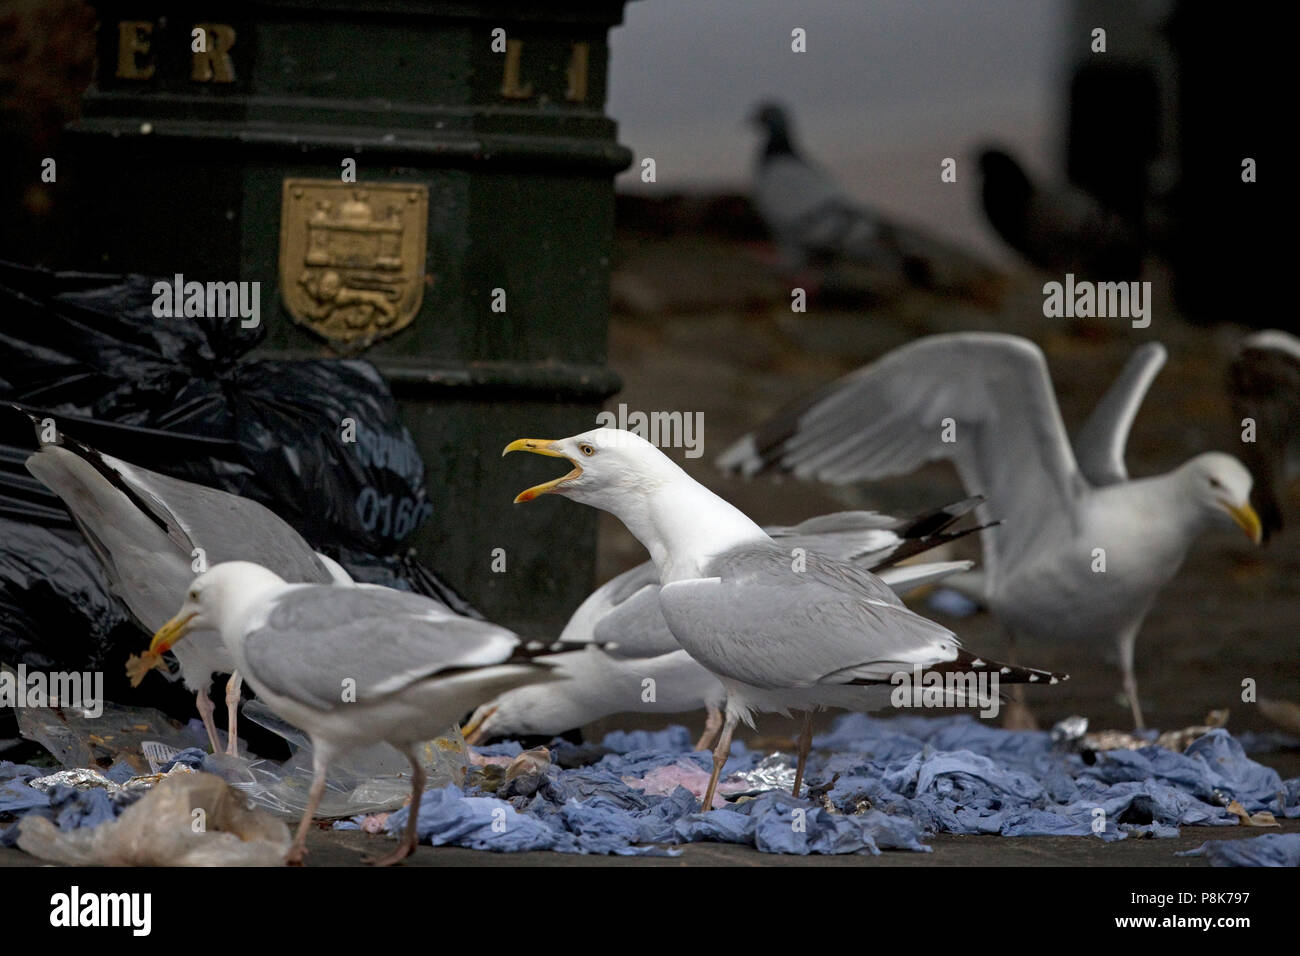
(143, 564)
(636, 628)
(228, 527)
(990, 392)
(581, 626)
(144, 528)
(743, 622)
(844, 535)
(316, 639)
(877, 541)
(1099, 445)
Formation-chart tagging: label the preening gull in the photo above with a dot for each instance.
(779, 634)
(1082, 550)
(640, 668)
(351, 666)
(1265, 384)
(153, 534)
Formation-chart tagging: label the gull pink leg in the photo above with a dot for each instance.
(712, 724)
(720, 753)
(204, 705)
(232, 713)
(409, 836)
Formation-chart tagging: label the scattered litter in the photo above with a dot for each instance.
(365, 781)
(774, 772)
(148, 743)
(874, 784)
(1261, 819)
(1073, 732)
(526, 773)
(119, 734)
(689, 773)
(188, 819)
(85, 778)
(1271, 849)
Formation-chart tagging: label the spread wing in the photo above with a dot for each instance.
(1099, 445)
(990, 393)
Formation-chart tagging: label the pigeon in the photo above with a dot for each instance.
(810, 217)
(1059, 229)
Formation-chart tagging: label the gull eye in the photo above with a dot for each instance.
(1215, 483)
(586, 449)
(194, 595)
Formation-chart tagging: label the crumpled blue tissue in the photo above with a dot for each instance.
(1271, 849)
(913, 776)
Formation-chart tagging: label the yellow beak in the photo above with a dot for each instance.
(473, 730)
(171, 632)
(541, 446)
(1246, 518)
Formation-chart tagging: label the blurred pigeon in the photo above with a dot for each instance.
(810, 217)
(1059, 228)
(1264, 381)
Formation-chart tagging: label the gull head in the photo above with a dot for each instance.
(1220, 485)
(211, 596)
(608, 464)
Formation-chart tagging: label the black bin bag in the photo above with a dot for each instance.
(317, 441)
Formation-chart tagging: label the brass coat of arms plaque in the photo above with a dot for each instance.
(352, 257)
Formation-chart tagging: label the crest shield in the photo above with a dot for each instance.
(352, 257)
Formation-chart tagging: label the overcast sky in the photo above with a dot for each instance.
(886, 90)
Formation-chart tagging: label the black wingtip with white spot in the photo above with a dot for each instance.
(967, 663)
(538, 650)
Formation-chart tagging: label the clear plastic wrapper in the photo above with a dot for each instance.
(188, 819)
(370, 780)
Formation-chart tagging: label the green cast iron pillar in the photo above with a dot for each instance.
(426, 185)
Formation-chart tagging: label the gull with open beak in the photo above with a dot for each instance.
(351, 666)
(628, 640)
(780, 631)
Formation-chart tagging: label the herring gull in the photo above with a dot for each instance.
(1082, 549)
(640, 668)
(778, 634)
(152, 534)
(351, 666)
